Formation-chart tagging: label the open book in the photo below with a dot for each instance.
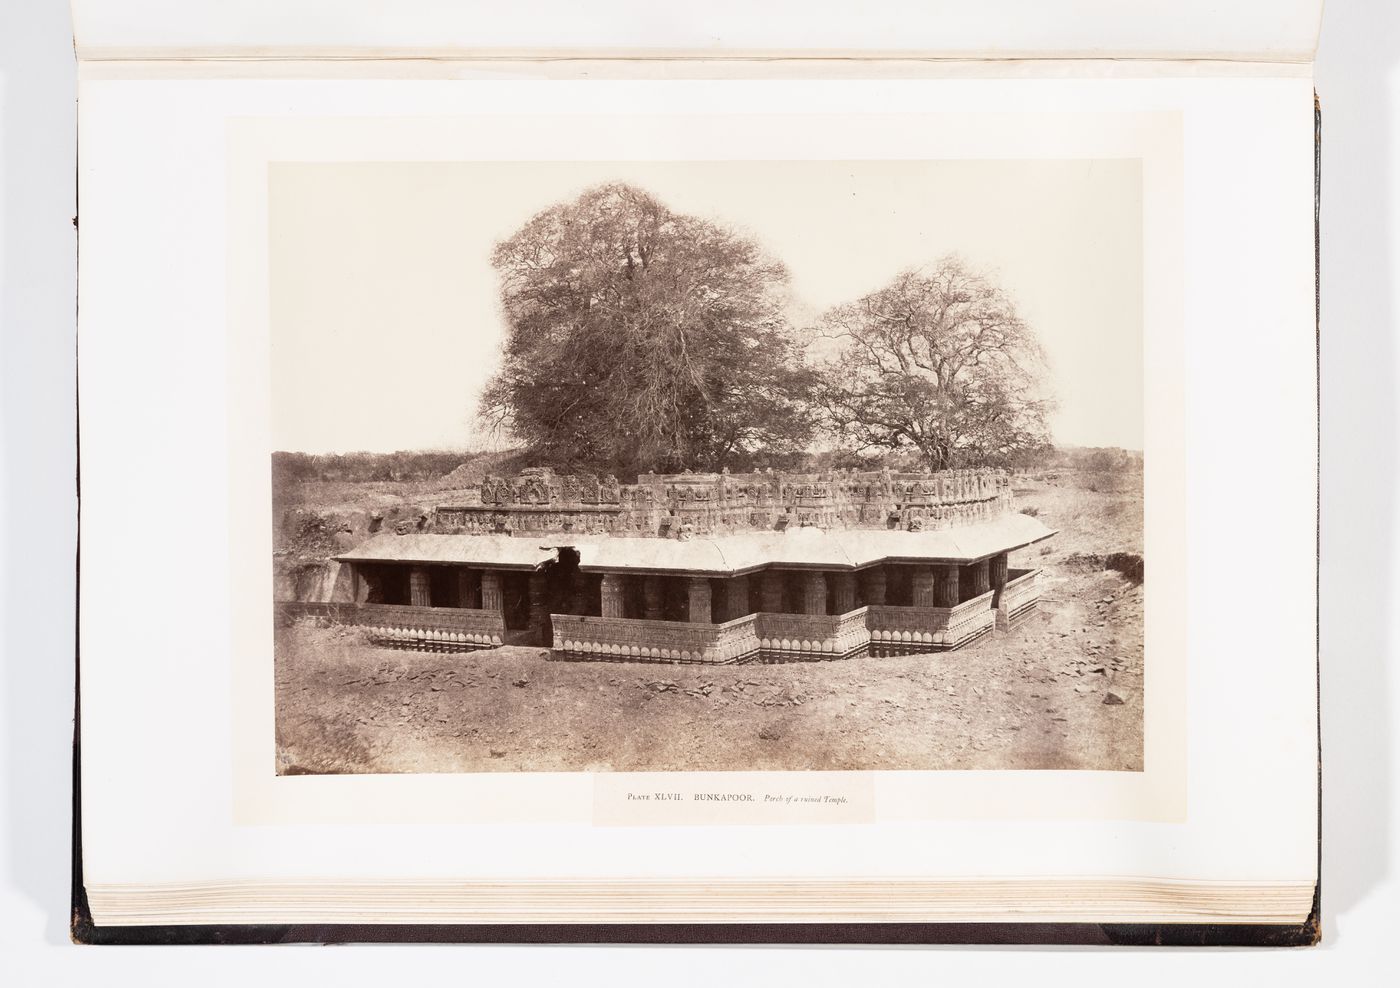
(841, 478)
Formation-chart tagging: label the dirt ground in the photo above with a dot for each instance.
(1062, 690)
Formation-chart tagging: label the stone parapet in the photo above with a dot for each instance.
(875, 629)
(1019, 597)
(435, 629)
(639, 640)
(683, 505)
(812, 637)
(913, 630)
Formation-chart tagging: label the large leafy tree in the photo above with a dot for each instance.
(936, 361)
(643, 339)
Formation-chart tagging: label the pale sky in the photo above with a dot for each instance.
(385, 309)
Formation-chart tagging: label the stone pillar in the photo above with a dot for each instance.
(698, 600)
(813, 593)
(946, 590)
(981, 578)
(771, 592)
(467, 588)
(738, 597)
(538, 619)
(843, 592)
(922, 585)
(999, 569)
(491, 597)
(419, 594)
(614, 596)
(874, 579)
(653, 598)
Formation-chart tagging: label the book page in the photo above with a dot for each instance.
(304, 266)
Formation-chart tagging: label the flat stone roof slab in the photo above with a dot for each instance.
(804, 548)
(728, 555)
(497, 551)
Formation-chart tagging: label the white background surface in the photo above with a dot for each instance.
(1283, 28)
(1359, 82)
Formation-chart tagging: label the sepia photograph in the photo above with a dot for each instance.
(707, 465)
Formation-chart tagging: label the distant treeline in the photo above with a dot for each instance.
(362, 467)
(432, 465)
(1094, 459)
(359, 468)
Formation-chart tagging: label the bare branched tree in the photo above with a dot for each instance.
(937, 361)
(640, 338)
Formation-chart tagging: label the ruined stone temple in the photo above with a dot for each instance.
(707, 568)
